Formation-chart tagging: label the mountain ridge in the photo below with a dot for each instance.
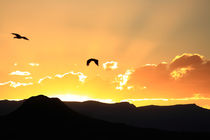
(181, 117)
(43, 117)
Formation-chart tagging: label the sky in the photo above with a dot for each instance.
(149, 51)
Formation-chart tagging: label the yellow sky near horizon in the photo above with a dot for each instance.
(150, 52)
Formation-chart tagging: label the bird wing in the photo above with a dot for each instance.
(92, 59)
(88, 61)
(17, 35)
(25, 38)
(96, 62)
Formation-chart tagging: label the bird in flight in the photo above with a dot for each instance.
(17, 36)
(92, 59)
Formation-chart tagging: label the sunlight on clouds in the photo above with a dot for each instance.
(187, 60)
(180, 72)
(122, 79)
(110, 65)
(16, 84)
(130, 87)
(33, 64)
(154, 65)
(5, 83)
(46, 77)
(24, 73)
(80, 75)
(187, 55)
(28, 78)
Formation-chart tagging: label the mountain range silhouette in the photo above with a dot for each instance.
(187, 117)
(43, 117)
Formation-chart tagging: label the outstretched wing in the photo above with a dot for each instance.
(96, 62)
(25, 38)
(17, 35)
(92, 59)
(88, 62)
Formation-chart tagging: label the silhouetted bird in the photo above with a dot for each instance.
(17, 36)
(92, 59)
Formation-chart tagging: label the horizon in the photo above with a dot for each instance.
(64, 99)
(149, 52)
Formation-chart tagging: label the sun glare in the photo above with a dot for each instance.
(80, 98)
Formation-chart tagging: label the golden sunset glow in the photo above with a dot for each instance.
(149, 52)
(78, 98)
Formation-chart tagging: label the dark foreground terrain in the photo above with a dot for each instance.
(41, 117)
(181, 118)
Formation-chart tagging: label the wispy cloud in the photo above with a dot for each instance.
(16, 84)
(33, 64)
(80, 75)
(23, 73)
(28, 77)
(46, 77)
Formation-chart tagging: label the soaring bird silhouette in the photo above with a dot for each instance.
(92, 59)
(17, 36)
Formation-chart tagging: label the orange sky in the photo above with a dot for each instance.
(150, 52)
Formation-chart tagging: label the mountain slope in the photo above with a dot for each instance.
(41, 116)
(7, 106)
(189, 117)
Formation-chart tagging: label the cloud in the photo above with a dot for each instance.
(122, 80)
(186, 74)
(187, 60)
(110, 65)
(15, 84)
(20, 73)
(150, 74)
(28, 77)
(33, 64)
(46, 77)
(80, 75)
(191, 67)
(180, 72)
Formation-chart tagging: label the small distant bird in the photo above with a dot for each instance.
(92, 59)
(17, 36)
